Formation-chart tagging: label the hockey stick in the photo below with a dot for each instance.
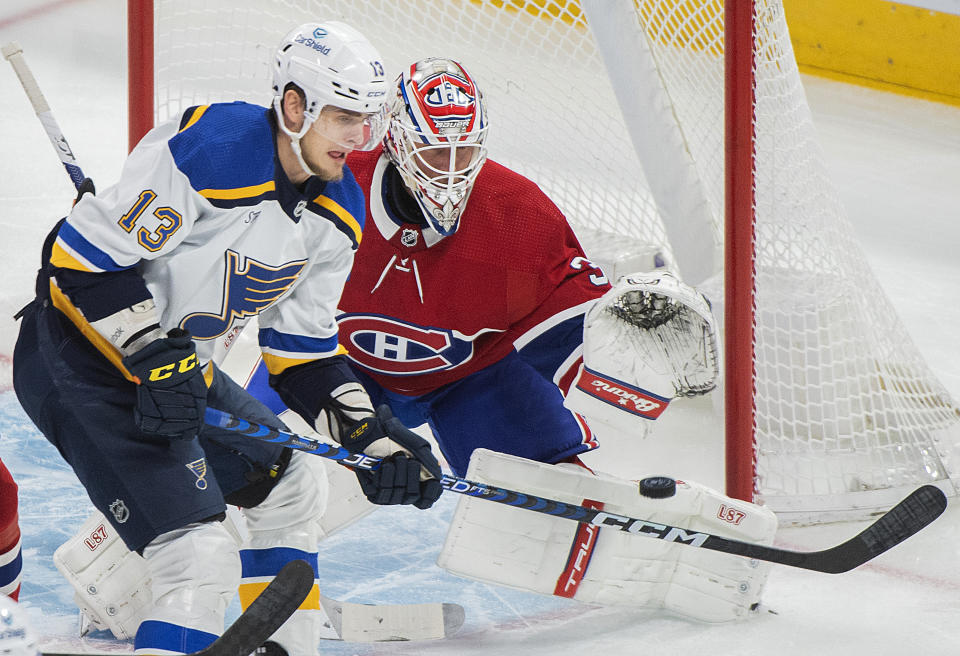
(918, 509)
(13, 53)
(268, 611)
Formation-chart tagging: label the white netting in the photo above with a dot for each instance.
(845, 404)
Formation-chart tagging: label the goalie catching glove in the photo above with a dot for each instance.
(649, 339)
(409, 473)
(171, 394)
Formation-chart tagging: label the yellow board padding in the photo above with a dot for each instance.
(886, 45)
(875, 43)
(250, 591)
(567, 11)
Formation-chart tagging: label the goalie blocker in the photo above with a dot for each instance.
(508, 546)
(649, 339)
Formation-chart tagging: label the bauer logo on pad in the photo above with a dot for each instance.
(626, 397)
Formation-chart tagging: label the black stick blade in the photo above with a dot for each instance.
(267, 613)
(916, 511)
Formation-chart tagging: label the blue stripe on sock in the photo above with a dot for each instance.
(154, 634)
(268, 562)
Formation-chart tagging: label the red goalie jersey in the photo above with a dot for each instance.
(420, 311)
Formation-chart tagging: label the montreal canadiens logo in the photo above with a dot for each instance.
(397, 348)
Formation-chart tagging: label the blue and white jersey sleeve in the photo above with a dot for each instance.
(302, 327)
(148, 213)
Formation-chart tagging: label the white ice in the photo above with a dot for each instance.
(896, 162)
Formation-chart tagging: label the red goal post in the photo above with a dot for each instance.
(617, 109)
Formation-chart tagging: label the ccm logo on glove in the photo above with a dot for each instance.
(181, 367)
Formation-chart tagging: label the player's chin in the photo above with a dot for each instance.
(331, 167)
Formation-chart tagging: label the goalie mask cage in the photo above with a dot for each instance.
(836, 415)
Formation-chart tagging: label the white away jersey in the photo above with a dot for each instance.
(207, 216)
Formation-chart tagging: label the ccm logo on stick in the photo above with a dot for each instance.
(659, 531)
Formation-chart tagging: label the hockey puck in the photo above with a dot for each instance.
(657, 487)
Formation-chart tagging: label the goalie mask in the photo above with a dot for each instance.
(435, 137)
(334, 65)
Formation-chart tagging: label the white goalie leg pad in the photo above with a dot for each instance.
(518, 548)
(111, 583)
(346, 502)
(289, 518)
(194, 573)
(648, 340)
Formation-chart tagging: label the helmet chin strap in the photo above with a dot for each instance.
(295, 137)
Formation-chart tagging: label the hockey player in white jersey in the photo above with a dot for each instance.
(227, 212)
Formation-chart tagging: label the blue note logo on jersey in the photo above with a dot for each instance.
(249, 288)
(398, 348)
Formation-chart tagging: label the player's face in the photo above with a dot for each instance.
(332, 137)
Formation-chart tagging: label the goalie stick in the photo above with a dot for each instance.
(268, 611)
(917, 510)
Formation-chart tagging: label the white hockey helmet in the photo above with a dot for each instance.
(332, 64)
(17, 637)
(435, 137)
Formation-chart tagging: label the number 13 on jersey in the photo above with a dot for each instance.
(169, 221)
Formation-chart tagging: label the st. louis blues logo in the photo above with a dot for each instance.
(199, 469)
(397, 348)
(249, 288)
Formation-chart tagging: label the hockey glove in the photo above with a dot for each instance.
(172, 394)
(409, 473)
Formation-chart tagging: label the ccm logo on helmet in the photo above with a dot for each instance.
(626, 397)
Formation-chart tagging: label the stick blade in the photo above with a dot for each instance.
(389, 622)
(267, 613)
(916, 511)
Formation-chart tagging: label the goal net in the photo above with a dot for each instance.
(628, 140)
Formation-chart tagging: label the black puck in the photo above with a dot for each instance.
(657, 487)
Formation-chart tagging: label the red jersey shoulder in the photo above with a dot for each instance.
(513, 218)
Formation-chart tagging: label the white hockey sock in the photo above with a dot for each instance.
(194, 572)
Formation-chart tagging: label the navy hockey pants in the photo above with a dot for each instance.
(145, 485)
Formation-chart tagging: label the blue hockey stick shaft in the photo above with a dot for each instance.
(917, 510)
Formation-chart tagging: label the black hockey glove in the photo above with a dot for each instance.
(409, 473)
(172, 395)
